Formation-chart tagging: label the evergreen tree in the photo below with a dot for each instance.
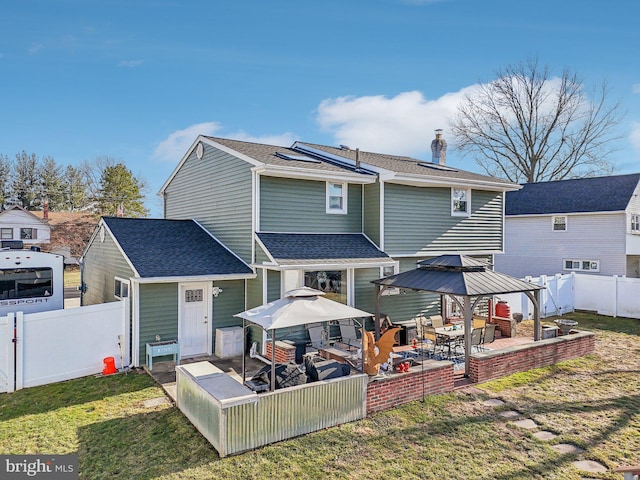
(52, 183)
(26, 188)
(121, 193)
(5, 172)
(75, 195)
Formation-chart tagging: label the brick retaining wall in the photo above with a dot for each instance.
(492, 364)
(285, 352)
(388, 392)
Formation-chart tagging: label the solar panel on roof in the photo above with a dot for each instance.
(299, 158)
(437, 166)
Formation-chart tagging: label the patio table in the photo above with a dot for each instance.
(451, 334)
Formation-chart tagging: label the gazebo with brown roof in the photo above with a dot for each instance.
(457, 276)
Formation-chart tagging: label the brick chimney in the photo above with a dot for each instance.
(439, 149)
(45, 210)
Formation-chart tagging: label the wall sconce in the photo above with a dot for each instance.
(216, 291)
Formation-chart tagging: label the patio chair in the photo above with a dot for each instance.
(317, 335)
(479, 322)
(476, 338)
(489, 334)
(436, 321)
(426, 333)
(349, 333)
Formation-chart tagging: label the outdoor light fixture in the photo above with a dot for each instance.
(216, 291)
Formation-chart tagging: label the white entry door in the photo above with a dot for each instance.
(194, 328)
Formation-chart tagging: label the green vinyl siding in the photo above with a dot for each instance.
(292, 205)
(401, 307)
(102, 262)
(273, 285)
(215, 191)
(158, 314)
(255, 290)
(418, 221)
(372, 212)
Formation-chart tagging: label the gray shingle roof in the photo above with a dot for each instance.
(597, 194)
(398, 164)
(457, 275)
(329, 248)
(173, 248)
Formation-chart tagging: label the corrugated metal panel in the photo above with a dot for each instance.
(372, 212)
(215, 191)
(418, 220)
(299, 206)
(295, 411)
(158, 314)
(102, 262)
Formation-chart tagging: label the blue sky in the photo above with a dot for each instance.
(138, 80)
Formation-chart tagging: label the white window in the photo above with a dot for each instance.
(460, 202)
(120, 288)
(7, 234)
(336, 198)
(582, 265)
(559, 223)
(635, 224)
(387, 271)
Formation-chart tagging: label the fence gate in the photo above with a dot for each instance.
(7, 353)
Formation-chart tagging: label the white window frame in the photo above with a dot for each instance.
(635, 223)
(4, 230)
(553, 223)
(578, 265)
(459, 213)
(337, 211)
(118, 291)
(396, 270)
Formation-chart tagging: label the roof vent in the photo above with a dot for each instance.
(345, 147)
(436, 166)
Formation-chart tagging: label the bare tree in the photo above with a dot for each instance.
(528, 126)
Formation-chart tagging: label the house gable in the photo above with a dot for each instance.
(23, 225)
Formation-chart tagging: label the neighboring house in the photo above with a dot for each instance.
(586, 225)
(180, 280)
(70, 232)
(325, 217)
(16, 223)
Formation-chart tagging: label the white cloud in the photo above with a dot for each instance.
(35, 48)
(635, 88)
(177, 143)
(402, 125)
(130, 63)
(283, 140)
(634, 136)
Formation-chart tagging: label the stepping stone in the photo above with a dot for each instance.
(527, 423)
(567, 448)
(544, 435)
(493, 402)
(590, 466)
(510, 414)
(155, 402)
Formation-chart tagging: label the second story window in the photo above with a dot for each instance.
(559, 223)
(460, 201)
(635, 223)
(336, 198)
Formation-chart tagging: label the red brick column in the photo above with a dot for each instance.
(399, 388)
(285, 352)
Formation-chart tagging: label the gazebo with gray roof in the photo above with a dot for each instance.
(459, 276)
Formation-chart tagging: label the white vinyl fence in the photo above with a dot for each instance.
(612, 296)
(61, 344)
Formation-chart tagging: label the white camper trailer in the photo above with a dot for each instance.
(30, 281)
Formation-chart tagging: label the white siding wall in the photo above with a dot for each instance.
(532, 248)
(16, 219)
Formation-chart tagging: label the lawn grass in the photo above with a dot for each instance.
(71, 276)
(592, 402)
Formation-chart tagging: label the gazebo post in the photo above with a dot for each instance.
(273, 360)
(244, 351)
(468, 327)
(535, 299)
(376, 320)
